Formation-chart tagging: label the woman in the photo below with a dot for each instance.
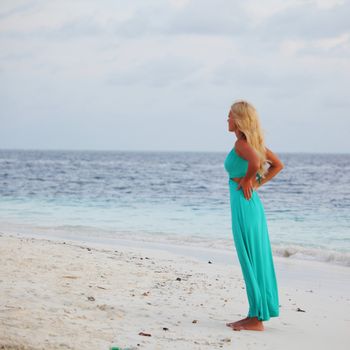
(245, 165)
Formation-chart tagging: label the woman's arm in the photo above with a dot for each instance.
(275, 166)
(249, 182)
(247, 152)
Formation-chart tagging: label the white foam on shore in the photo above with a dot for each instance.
(95, 234)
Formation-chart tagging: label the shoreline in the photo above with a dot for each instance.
(69, 295)
(301, 273)
(290, 252)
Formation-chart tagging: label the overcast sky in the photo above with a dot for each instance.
(162, 74)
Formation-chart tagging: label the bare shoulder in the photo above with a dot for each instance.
(245, 151)
(273, 159)
(242, 146)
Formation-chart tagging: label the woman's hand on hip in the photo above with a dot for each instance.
(247, 185)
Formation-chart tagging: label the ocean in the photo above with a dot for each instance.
(174, 197)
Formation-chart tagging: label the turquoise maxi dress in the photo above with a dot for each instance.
(251, 238)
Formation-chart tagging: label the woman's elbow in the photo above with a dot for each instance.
(279, 166)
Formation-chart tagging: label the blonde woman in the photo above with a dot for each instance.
(245, 165)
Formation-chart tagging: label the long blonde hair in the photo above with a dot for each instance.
(247, 121)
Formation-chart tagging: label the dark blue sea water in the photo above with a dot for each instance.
(175, 197)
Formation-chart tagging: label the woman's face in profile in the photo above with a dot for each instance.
(231, 122)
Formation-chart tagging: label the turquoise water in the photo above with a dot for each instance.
(175, 197)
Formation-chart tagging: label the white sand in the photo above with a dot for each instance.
(56, 295)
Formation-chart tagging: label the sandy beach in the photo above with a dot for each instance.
(76, 295)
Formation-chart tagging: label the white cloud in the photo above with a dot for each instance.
(339, 41)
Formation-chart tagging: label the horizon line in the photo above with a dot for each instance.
(149, 150)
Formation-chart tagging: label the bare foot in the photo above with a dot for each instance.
(237, 323)
(252, 324)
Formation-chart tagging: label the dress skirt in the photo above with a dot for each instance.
(251, 238)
